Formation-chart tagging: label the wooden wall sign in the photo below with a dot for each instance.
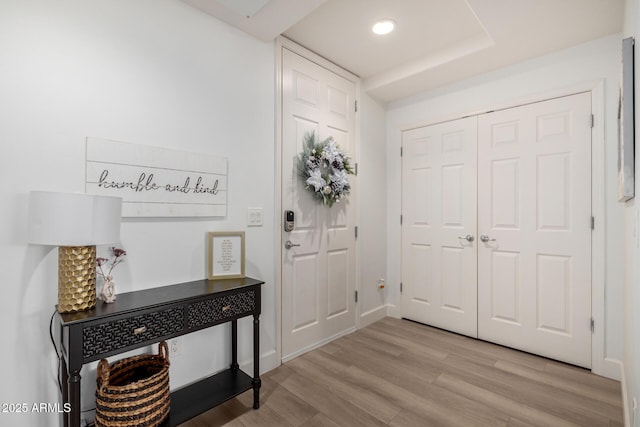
(157, 182)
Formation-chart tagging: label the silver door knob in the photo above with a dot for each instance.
(288, 244)
(469, 238)
(486, 238)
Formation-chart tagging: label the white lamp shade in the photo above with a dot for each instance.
(73, 219)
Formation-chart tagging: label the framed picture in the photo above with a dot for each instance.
(226, 254)
(626, 184)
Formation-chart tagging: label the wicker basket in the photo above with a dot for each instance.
(134, 391)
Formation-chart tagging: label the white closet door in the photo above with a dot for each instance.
(534, 181)
(439, 265)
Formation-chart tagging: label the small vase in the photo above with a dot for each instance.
(108, 291)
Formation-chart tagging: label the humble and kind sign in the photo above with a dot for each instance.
(146, 182)
(157, 182)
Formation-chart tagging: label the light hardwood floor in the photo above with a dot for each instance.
(400, 373)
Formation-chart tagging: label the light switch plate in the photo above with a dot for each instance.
(255, 217)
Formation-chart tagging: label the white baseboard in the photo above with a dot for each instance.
(366, 319)
(626, 410)
(316, 345)
(394, 311)
(611, 368)
(268, 362)
(372, 316)
(614, 369)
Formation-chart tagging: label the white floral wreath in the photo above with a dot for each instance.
(323, 168)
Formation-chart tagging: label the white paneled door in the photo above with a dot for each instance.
(319, 262)
(439, 250)
(534, 276)
(522, 277)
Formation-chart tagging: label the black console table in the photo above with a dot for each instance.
(140, 318)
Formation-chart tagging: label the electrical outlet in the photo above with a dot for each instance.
(175, 348)
(381, 284)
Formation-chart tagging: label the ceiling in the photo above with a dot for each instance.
(436, 42)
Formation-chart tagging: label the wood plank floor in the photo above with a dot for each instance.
(400, 373)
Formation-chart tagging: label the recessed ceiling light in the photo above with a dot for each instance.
(384, 26)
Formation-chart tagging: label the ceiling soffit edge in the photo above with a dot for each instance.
(271, 20)
(437, 59)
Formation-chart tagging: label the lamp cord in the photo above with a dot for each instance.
(55, 348)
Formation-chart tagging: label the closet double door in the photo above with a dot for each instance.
(496, 227)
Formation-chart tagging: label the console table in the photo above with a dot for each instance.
(141, 318)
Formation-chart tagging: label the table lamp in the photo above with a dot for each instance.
(76, 223)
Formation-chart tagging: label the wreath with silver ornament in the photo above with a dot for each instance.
(323, 168)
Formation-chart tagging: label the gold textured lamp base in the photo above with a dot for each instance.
(76, 278)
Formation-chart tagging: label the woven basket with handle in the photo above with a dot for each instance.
(134, 391)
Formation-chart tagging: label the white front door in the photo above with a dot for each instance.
(318, 275)
(534, 192)
(439, 246)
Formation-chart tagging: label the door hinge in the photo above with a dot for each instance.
(593, 121)
(356, 231)
(356, 105)
(356, 169)
(593, 223)
(356, 295)
(400, 287)
(400, 219)
(400, 151)
(593, 325)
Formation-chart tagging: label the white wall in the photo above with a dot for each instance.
(631, 292)
(160, 73)
(372, 194)
(154, 72)
(561, 72)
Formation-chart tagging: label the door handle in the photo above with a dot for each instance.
(288, 244)
(486, 238)
(469, 238)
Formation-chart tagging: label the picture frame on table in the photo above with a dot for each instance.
(226, 254)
